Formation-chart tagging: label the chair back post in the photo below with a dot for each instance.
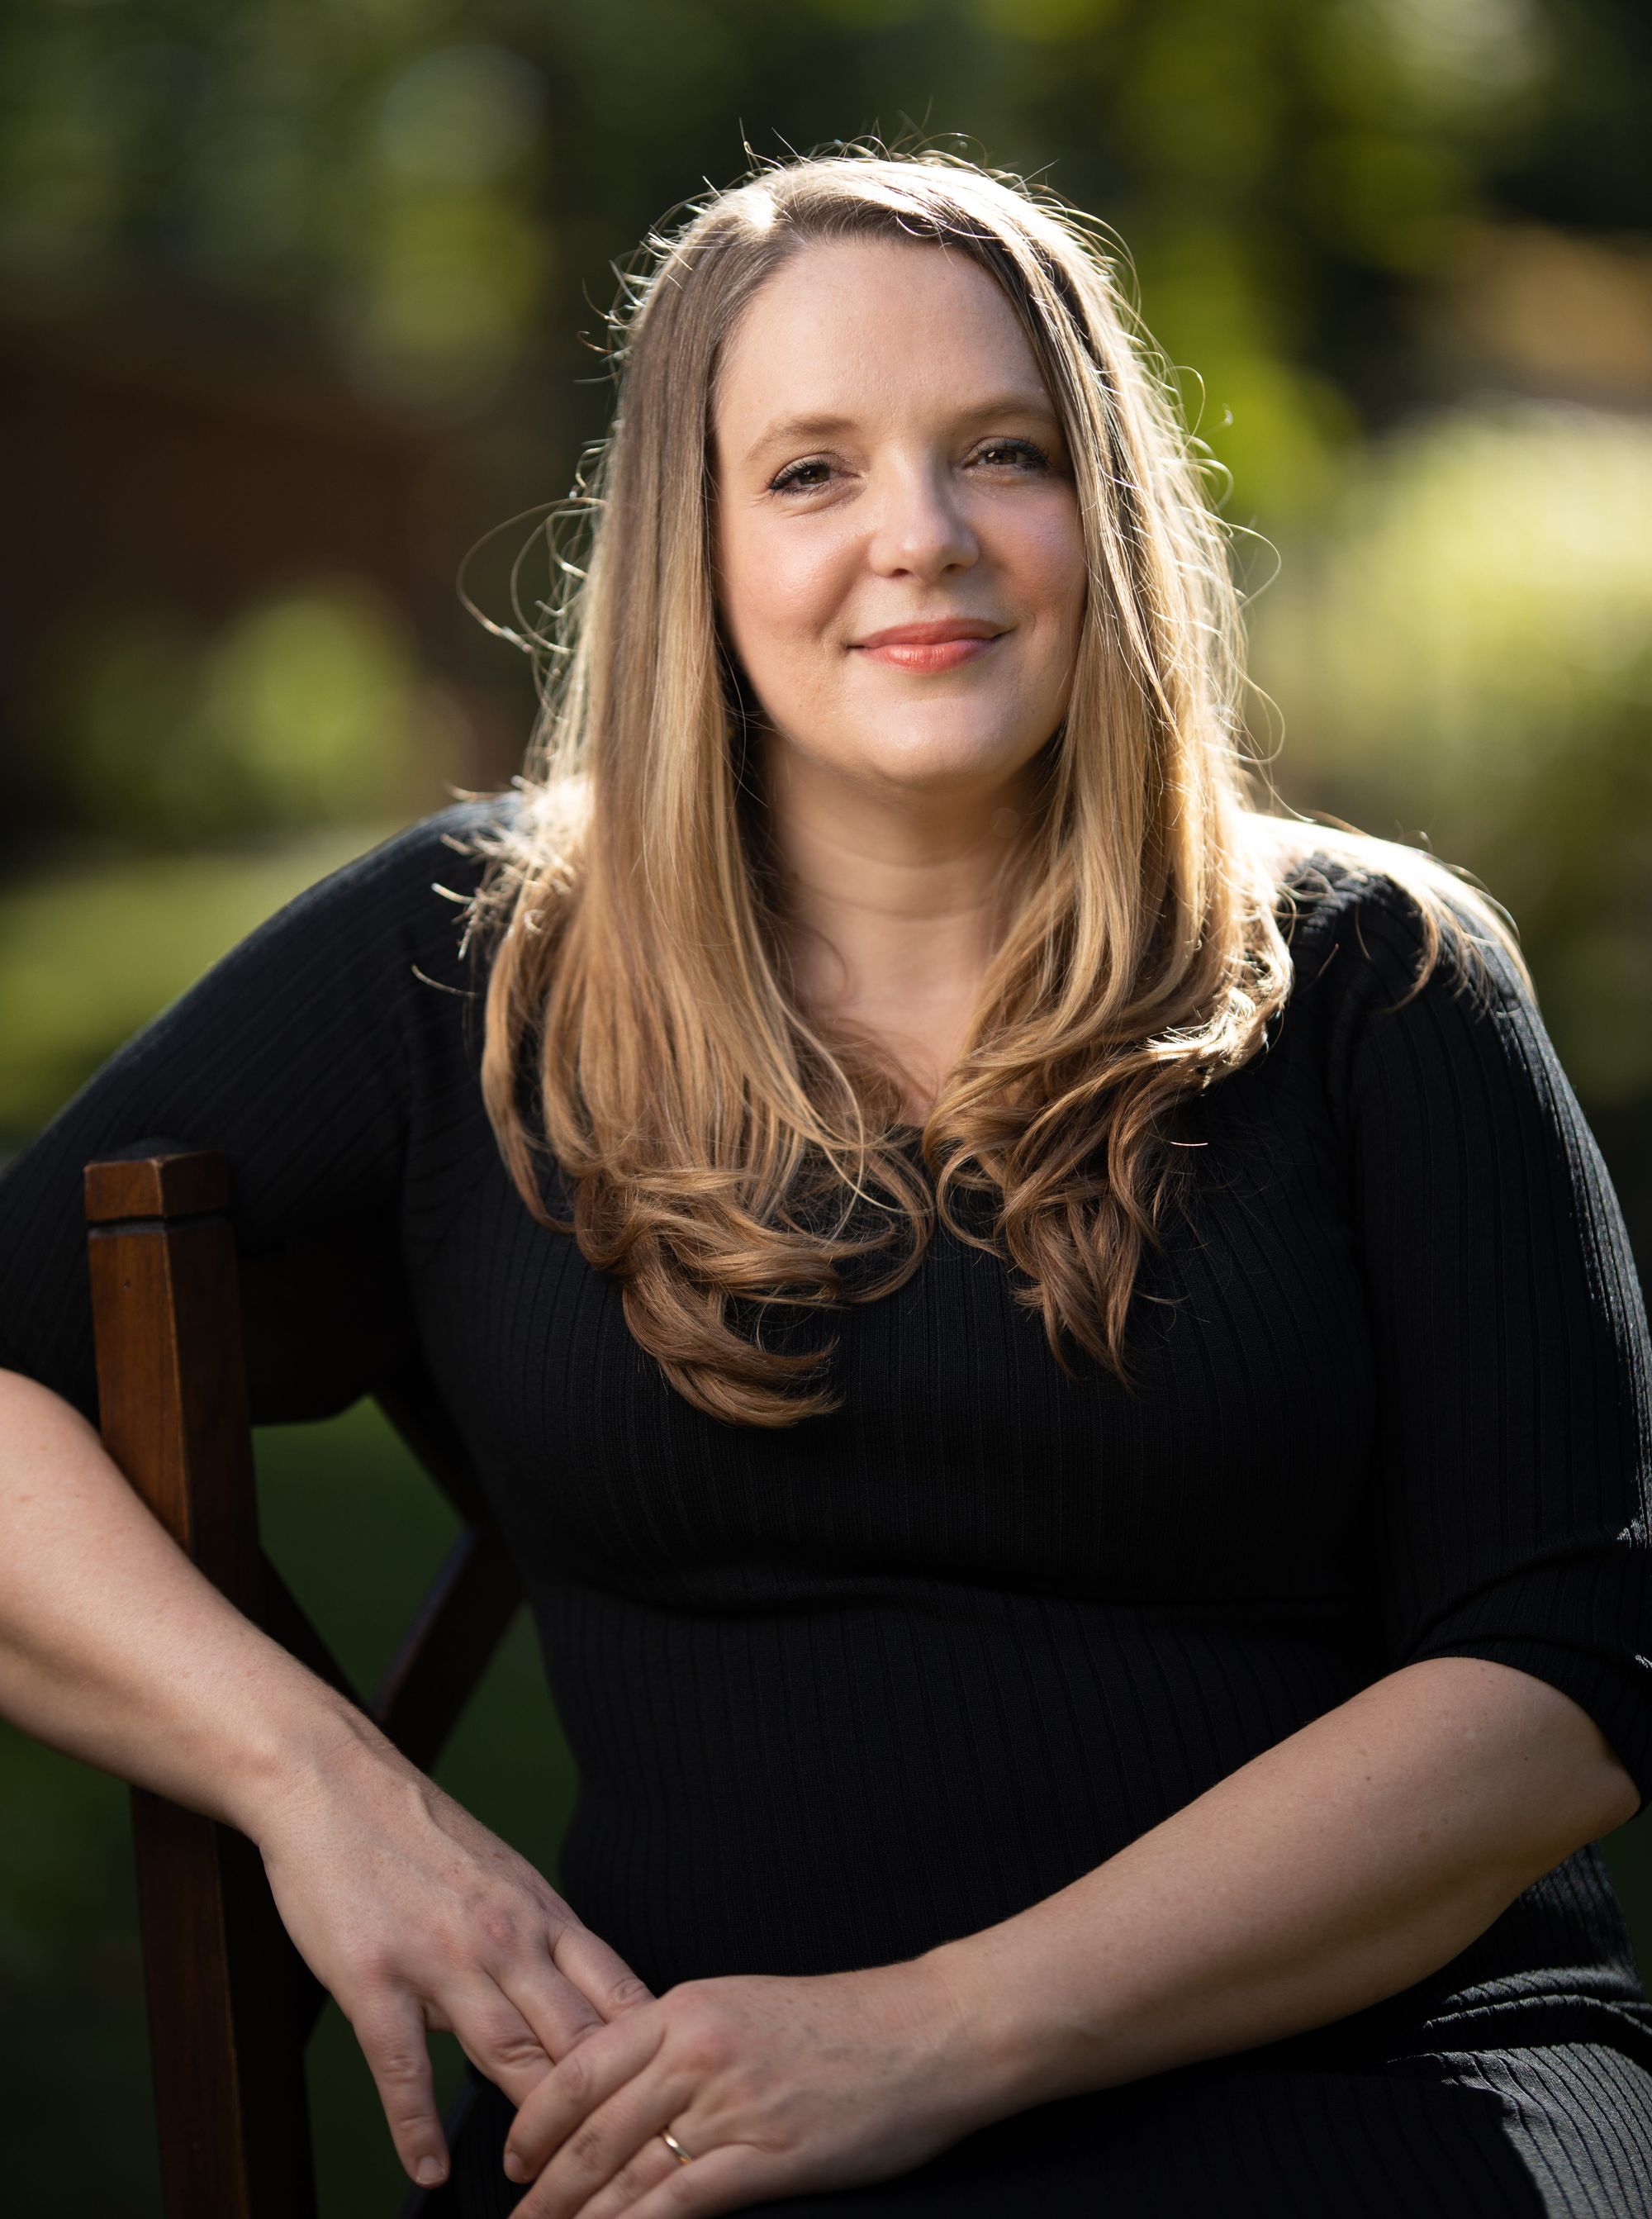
(224, 1996)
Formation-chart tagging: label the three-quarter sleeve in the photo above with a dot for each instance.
(1514, 1462)
(291, 1055)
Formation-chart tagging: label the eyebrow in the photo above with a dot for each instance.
(1021, 403)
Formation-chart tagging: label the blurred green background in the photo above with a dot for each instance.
(300, 299)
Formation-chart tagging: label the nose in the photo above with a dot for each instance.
(919, 527)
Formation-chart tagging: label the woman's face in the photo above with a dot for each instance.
(888, 461)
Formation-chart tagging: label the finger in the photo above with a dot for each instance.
(494, 2035)
(598, 1972)
(591, 2071)
(640, 2173)
(391, 2032)
(560, 2013)
(726, 2180)
(612, 2157)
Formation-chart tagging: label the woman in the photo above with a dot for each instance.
(1056, 1357)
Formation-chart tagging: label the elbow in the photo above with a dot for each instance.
(1597, 1792)
(1556, 1781)
(1618, 1797)
(1590, 1792)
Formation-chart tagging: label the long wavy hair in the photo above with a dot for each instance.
(734, 1163)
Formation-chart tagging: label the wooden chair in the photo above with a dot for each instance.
(194, 1348)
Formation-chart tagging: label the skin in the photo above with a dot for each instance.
(1339, 1867)
(1334, 1870)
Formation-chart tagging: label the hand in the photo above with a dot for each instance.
(774, 2086)
(414, 1916)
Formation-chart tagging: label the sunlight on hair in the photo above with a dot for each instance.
(728, 1160)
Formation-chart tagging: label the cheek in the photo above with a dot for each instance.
(779, 587)
(1061, 571)
(1050, 570)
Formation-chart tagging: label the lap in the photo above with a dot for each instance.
(1559, 2132)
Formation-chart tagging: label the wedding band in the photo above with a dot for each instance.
(682, 2156)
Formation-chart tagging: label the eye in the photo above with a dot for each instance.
(1024, 454)
(794, 477)
(810, 473)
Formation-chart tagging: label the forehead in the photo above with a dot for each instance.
(852, 325)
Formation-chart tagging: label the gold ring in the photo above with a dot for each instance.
(682, 2156)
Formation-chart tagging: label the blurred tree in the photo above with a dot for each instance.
(1464, 656)
(434, 189)
(307, 707)
(369, 170)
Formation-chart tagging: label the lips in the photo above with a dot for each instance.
(941, 644)
(935, 633)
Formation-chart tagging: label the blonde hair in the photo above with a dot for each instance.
(718, 1147)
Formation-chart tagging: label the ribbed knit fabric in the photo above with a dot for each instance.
(842, 1691)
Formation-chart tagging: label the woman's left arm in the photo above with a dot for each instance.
(1508, 1555)
(1336, 1868)
(1342, 1864)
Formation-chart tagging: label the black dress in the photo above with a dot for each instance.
(840, 1691)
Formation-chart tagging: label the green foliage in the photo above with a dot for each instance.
(1464, 654)
(434, 191)
(369, 168)
(89, 955)
(305, 708)
(71, 2036)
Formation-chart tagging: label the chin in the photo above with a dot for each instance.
(936, 761)
(938, 768)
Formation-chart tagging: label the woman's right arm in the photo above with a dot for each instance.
(115, 1648)
(307, 1056)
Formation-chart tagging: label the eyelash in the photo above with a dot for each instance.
(787, 482)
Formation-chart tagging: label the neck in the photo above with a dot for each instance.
(890, 903)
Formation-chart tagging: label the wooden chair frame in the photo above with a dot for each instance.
(194, 1348)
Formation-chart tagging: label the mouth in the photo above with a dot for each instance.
(943, 645)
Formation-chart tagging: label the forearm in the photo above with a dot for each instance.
(114, 1648)
(1353, 1859)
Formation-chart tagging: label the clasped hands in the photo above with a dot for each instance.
(415, 1917)
(773, 2085)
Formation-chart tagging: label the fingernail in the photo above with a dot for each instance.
(430, 2171)
(514, 2168)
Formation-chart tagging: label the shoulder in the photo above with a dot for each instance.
(412, 896)
(448, 849)
(1371, 919)
(1402, 971)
